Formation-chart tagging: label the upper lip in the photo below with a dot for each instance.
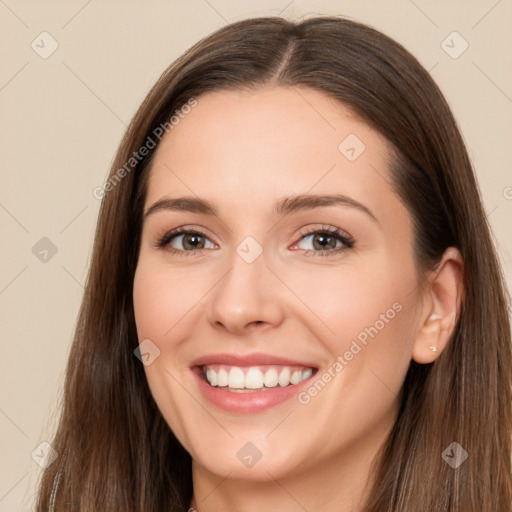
(255, 359)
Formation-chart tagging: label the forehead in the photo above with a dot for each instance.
(249, 148)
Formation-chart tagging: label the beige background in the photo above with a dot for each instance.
(63, 117)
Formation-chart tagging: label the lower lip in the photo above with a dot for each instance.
(247, 402)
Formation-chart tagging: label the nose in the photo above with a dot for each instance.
(247, 296)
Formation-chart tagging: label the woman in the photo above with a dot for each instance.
(219, 364)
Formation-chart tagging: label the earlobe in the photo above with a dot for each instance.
(443, 296)
(433, 338)
(427, 346)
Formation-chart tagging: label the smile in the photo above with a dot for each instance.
(254, 378)
(250, 383)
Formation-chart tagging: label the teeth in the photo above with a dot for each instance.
(212, 377)
(255, 377)
(222, 377)
(296, 377)
(284, 377)
(271, 378)
(236, 378)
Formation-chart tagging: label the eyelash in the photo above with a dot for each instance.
(346, 239)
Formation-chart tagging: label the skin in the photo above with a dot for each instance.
(242, 151)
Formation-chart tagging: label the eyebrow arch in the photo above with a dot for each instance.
(282, 207)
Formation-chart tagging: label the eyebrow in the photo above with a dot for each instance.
(282, 207)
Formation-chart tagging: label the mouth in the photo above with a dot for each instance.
(252, 383)
(240, 379)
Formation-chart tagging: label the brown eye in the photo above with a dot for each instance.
(185, 241)
(191, 241)
(325, 242)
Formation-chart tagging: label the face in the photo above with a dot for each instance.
(277, 301)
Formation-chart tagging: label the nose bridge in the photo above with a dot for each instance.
(247, 292)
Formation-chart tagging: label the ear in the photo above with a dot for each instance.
(441, 306)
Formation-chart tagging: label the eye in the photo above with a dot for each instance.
(184, 241)
(325, 242)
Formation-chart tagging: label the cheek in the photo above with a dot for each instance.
(367, 318)
(350, 301)
(153, 306)
(161, 298)
(160, 301)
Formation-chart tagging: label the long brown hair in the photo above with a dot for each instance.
(116, 452)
